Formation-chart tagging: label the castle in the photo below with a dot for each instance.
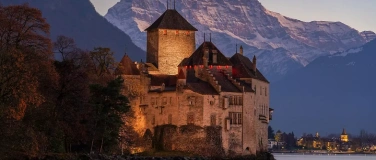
(206, 100)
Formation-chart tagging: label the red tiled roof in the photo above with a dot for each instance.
(127, 67)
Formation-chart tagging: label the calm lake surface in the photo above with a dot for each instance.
(323, 157)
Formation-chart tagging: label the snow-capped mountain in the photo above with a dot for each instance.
(368, 35)
(288, 43)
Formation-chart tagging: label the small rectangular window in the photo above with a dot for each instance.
(190, 118)
(231, 100)
(187, 33)
(240, 100)
(266, 91)
(235, 118)
(255, 89)
(260, 90)
(164, 32)
(170, 119)
(213, 121)
(176, 32)
(240, 120)
(153, 120)
(192, 101)
(164, 100)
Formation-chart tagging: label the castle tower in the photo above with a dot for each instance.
(170, 39)
(344, 136)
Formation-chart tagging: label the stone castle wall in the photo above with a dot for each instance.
(173, 47)
(262, 108)
(205, 141)
(152, 47)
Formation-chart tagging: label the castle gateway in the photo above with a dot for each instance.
(196, 100)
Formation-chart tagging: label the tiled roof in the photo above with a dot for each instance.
(224, 82)
(202, 87)
(197, 85)
(197, 57)
(242, 68)
(127, 67)
(171, 19)
(151, 67)
(247, 86)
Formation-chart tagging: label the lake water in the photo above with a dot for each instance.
(323, 157)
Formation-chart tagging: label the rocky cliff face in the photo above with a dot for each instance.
(288, 43)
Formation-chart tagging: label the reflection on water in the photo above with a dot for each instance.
(323, 157)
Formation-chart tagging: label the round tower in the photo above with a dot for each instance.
(170, 39)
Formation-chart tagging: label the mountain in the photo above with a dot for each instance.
(289, 43)
(331, 93)
(79, 20)
(368, 35)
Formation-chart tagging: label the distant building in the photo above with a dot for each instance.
(310, 142)
(207, 100)
(332, 143)
(344, 136)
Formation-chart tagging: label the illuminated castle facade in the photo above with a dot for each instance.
(196, 100)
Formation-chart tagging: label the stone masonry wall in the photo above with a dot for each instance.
(262, 109)
(152, 47)
(174, 46)
(249, 129)
(205, 141)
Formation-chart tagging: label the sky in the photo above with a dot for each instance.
(358, 14)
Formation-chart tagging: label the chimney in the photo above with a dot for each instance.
(214, 56)
(254, 64)
(206, 57)
(163, 86)
(241, 50)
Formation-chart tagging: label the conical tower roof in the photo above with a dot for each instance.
(127, 67)
(344, 132)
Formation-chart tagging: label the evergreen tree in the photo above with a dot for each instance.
(109, 105)
(270, 133)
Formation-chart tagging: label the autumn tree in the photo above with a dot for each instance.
(27, 77)
(25, 54)
(72, 95)
(103, 65)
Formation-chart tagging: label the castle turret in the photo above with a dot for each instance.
(170, 39)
